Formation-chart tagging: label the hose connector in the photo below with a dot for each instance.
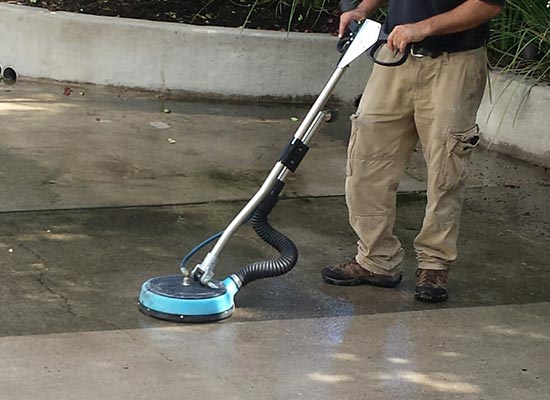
(205, 270)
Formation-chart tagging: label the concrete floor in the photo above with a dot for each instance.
(97, 199)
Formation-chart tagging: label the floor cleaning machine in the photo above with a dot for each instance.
(194, 295)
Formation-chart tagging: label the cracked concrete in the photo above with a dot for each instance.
(122, 204)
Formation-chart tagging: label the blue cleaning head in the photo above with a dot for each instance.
(167, 297)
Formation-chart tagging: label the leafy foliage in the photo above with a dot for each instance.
(520, 41)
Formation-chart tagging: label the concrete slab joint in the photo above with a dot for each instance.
(216, 61)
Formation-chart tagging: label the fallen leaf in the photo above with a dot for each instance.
(67, 91)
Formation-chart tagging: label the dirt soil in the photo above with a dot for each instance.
(266, 15)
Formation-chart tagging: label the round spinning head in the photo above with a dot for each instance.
(167, 297)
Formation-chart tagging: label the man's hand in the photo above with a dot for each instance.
(402, 35)
(349, 16)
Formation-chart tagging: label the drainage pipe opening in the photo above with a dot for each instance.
(9, 75)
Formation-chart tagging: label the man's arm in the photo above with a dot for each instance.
(468, 15)
(363, 10)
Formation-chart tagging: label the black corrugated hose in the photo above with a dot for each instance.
(287, 249)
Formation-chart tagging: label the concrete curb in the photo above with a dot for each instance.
(514, 119)
(216, 61)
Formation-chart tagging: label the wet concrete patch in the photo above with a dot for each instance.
(104, 148)
(232, 178)
(81, 270)
(73, 276)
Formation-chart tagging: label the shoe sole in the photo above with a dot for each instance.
(428, 298)
(382, 282)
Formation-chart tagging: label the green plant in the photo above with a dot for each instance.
(520, 40)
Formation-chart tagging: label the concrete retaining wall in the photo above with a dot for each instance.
(515, 119)
(150, 55)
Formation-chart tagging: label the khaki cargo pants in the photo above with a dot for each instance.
(431, 99)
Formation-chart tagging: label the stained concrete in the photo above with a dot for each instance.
(74, 251)
(99, 147)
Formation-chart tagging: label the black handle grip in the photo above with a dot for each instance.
(378, 44)
(351, 30)
(382, 40)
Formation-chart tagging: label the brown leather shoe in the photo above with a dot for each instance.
(431, 285)
(352, 273)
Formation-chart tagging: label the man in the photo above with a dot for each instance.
(434, 96)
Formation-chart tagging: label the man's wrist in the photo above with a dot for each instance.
(426, 27)
(363, 7)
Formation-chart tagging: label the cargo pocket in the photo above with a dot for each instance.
(459, 145)
(351, 145)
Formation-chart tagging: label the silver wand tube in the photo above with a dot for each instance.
(308, 127)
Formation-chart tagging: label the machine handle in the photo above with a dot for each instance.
(382, 40)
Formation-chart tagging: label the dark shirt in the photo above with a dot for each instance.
(409, 11)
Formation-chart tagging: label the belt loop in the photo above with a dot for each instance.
(446, 56)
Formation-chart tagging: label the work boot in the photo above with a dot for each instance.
(352, 273)
(431, 285)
